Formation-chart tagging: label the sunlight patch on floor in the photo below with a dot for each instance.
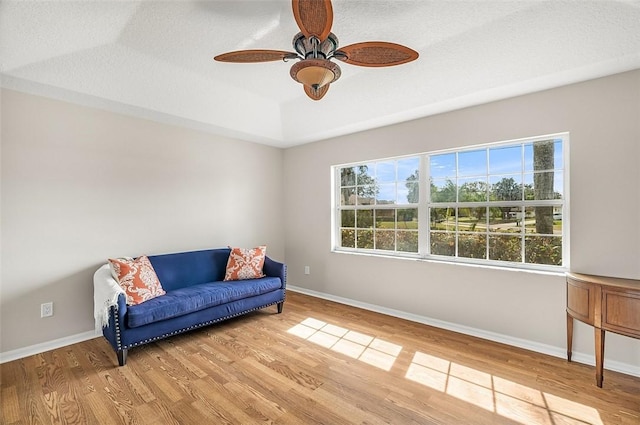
(509, 399)
(368, 349)
(506, 398)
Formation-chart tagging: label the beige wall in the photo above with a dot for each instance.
(80, 185)
(603, 118)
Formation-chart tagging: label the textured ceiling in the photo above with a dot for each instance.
(153, 59)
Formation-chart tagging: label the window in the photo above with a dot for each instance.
(502, 204)
(378, 206)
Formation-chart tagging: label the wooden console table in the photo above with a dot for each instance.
(607, 304)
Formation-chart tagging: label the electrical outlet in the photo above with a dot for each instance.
(46, 309)
(307, 270)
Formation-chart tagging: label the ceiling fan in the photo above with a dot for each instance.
(316, 45)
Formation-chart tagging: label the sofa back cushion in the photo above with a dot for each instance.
(184, 269)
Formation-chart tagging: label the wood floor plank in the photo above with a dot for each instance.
(318, 362)
(10, 412)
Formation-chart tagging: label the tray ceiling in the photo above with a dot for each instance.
(154, 59)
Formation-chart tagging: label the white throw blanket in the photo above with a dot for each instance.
(105, 295)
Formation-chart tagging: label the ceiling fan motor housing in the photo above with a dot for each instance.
(312, 48)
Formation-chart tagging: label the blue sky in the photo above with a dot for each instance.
(391, 177)
(497, 162)
(500, 160)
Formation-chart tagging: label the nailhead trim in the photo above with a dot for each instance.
(114, 311)
(199, 325)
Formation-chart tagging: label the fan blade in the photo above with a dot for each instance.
(376, 53)
(314, 17)
(258, 55)
(316, 94)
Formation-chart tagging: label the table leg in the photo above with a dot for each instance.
(599, 337)
(569, 336)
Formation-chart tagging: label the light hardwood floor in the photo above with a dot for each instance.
(316, 363)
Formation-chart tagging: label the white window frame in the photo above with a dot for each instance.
(424, 205)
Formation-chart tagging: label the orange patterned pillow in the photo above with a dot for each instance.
(137, 278)
(245, 263)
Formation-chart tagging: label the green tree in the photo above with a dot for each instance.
(412, 184)
(356, 181)
(506, 190)
(474, 192)
(444, 194)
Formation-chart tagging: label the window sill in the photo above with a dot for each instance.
(557, 271)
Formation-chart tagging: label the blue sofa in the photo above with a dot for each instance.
(196, 296)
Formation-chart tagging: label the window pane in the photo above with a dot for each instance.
(366, 195)
(472, 245)
(348, 196)
(506, 219)
(557, 221)
(386, 239)
(385, 219)
(443, 191)
(409, 193)
(539, 220)
(385, 172)
(364, 218)
(441, 166)
(348, 239)
(407, 241)
(505, 160)
(543, 186)
(443, 244)
(472, 163)
(540, 155)
(543, 250)
(408, 169)
(505, 248)
(472, 219)
(472, 190)
(558, 185)
(408, 218)
(506, 188)
(365, 174)
(443, 219)
(558, 155)
(364, 239)
(386, 194)
(347, 218)
(348, 176)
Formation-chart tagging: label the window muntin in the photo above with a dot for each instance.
(501, 204)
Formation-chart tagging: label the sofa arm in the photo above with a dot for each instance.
(273, 268)
(113, 331)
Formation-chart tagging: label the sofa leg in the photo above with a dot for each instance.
(280, 305)
(122, 356)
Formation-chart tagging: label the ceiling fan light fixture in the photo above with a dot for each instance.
(315, 45)
(315, 73)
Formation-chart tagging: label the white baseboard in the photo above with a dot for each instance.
(46, 346)
(491, 336)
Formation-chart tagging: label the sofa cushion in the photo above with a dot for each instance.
(184, 269)
(137, 278)
(197, 297)
(245, 263)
